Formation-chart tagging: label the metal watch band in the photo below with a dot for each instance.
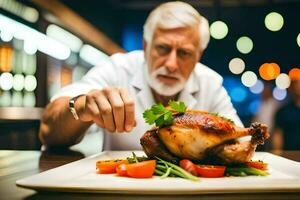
(72, 106)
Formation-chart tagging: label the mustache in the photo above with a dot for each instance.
(164, 72)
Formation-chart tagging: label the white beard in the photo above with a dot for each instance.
(162, 88)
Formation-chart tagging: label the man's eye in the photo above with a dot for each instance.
(162, 49)
(184, 53)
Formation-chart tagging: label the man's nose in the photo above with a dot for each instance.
(171, 62)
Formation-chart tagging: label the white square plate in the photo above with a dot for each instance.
(80, 176)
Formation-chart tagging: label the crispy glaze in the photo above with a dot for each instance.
(194, 134)
(206, 121)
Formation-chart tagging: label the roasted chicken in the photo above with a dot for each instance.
(202, 136)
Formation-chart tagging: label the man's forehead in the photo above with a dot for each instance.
(190, 30)
(188, 35)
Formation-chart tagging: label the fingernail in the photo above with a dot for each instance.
(128, 128)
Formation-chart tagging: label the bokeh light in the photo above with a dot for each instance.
(29, 99)
(236, 65)
(30, 83)
(30, 67)
(244, 45)
(249, 78)
(294, 74)
(78, 72)
(30, 47)
(218, 30)
(254, 106)
(258, 87)
(17, 99)
(283, 81)
(279, 94)
(274, 21)
(238, 94)
(6, 81)
(6, 36)
(18, 83)
(269, 71)
(5, 99)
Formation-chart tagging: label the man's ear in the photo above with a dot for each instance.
(144, 44)
(200, 54)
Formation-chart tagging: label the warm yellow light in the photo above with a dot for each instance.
(294, 74)
(29, 99)
(218, 30)
(269, 71)
(30, 83)
(6, 81)
(298, 39)
(283, 81)
(274, 21)
(17, 99)
(244, 45)
(236, 65)
(18, 83)
(249, 78)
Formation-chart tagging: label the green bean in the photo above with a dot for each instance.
(158, 172)
(247, 171)
(178, 170)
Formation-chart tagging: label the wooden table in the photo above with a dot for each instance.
(15, 165)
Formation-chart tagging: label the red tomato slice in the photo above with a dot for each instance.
(108, 166)
(188, 166)
(211, 171)
(257, 164)
(122, 170)
(144, 169)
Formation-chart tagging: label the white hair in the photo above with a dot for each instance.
(176, 15)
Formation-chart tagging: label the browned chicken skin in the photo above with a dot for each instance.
(199, 135)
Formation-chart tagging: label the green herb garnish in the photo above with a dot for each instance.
(224, 118)
(162, 116)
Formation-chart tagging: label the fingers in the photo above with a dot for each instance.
(129, 110)
(112, 109)
(106, 112)
(118, 109)
(93, 111)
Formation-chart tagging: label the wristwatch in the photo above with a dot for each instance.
(72, 106)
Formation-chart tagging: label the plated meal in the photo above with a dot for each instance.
(191, 144)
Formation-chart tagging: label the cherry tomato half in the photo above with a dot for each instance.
(108, 166)
(257, 164)
(210, 171)
(122, 170)
(188, 166)
(144, 169)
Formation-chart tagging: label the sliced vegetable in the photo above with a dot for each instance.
(210, 171)
(241, 171)
(175, 170)
(257, 164)
(144, 169)
(188, 166)
(108, 166)
(122, 170)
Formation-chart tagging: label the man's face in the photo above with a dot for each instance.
(172, 56)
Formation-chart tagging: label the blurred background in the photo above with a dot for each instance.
(45, 45)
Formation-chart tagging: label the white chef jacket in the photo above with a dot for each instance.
(203, 91)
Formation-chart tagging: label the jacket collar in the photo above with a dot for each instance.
(145, 96)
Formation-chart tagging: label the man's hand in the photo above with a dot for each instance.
(110, 108)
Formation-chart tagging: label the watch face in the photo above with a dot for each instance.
(72, 107)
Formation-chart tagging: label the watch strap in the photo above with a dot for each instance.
(72, 106)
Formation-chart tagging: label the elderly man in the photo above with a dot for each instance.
(114, 94)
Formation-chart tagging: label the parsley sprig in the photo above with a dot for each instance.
(162, 116)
